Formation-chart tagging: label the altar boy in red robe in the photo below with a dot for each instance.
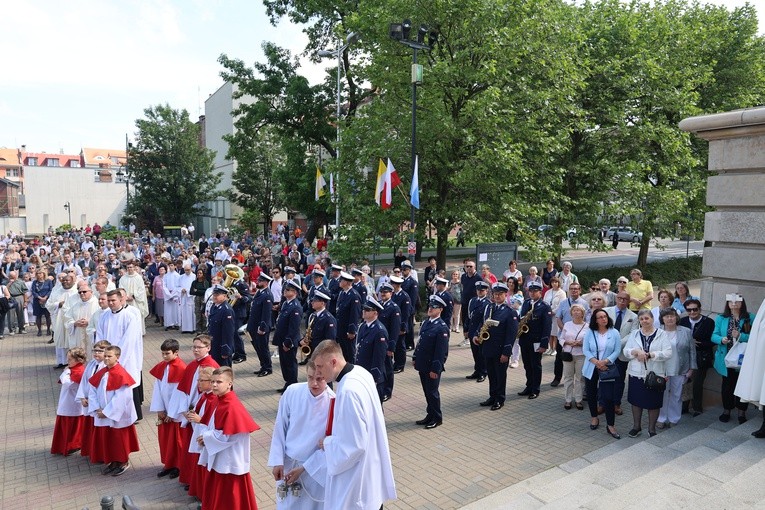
(67, 434)
(226, 449)
(110, 401)
(168, 373)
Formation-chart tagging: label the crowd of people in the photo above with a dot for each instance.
(345, 325)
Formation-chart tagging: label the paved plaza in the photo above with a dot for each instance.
(476, 453)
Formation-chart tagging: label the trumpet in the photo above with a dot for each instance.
(484, 334)
(305, 343)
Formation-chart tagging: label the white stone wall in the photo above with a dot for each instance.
(49, 188)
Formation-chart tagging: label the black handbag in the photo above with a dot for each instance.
(569, 355)
(610, 374)
(5, 305)
(653, 381)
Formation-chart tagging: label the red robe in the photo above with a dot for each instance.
(230, 490)
(67, 432)
(169, 434)
(198, 476)
(188, 464)
(112, 444)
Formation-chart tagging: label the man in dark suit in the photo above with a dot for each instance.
(534, 342)
(372, 344)
(444, 294)
(348, 316)
(496, 350)
(259, 324)
(334, 288)
(221, 325)
(287, 333)
(411, 287)
(476, 309)
(358, 285)
(702, 328)
(322, 323)
(429, 359)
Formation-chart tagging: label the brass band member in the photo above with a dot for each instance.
(502, 324)
(534, 341)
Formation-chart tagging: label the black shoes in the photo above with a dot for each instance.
(613, 434)
(398, 370)
(110, 468)
(497, 406)
(480, 378)
(238, 359)
(433, 424)
(725, 418)
(474, 375)
(423, 421)
(635, 432)
(487, 403)
(283, 389)
(555, 382)
(386, 398)
(533, 396)
(170, 472)
(263, 373)
(524, 393)
(594, 426)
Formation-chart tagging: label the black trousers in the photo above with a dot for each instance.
(728, 386)
(606, 397)
(479, 363)
(704, 360)
(399, 355)
(138, 397)
(497, 374)
(558, 364)
(432, 395)
(238, 340)
(260, 343)
(348, 347)
(532, 364)
(410, 333)
(619, 384)
(289, 365)
(389, 375)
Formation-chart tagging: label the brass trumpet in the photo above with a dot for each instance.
(523, 325)
(484, 334)
(233, 273)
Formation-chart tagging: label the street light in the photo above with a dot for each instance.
(122, 175)
(400, 32)
(338, 53)
(68, 207)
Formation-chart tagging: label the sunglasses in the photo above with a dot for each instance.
(694, 309)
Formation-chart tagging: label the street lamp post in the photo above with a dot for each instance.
(338, 53)
(400, 32)
(68, 207)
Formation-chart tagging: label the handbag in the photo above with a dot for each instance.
(653, 381)
(569, 355)
(610, 374)
(4, 304)
(735, 355)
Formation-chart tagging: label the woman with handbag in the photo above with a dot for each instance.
(680, 367)
(601, 347)
(733, 326)
(571, 340)
(647, 350)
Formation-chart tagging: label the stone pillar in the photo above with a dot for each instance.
(734, 233)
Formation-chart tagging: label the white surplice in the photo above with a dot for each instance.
(187, 316)
(117, 405)
(135, 286)
(66, 297)
(301, 422)
(359, 470)
(68, 405)
(91, 368)
(78, 336)
(225, 454)
(163, 391)
(172, 298)
(751, 379)
(123, 329)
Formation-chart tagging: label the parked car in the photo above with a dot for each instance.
(624, 234)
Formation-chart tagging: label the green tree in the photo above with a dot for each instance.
(171, 173)
(258, 157)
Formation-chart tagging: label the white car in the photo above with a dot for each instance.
(624, 234)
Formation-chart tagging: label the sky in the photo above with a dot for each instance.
(80, 72)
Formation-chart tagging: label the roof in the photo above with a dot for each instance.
(103, 157)
(10, 183)
(9, 157)
(64, 160)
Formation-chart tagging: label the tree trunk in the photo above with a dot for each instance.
(442, 242)
(319, 220)
(643, 253)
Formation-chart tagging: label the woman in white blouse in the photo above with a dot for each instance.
(680, 366)
(553, 297)
(571, 339)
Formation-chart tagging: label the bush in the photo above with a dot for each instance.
(66, 227)
(660, 274)
(114, 234)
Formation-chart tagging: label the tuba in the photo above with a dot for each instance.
(305, 343)
(234, 274)
(484, 334)
(523, 326)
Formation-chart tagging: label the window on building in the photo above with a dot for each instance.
(11, 172)
(32, 161)
(74, 163)
(52, 162)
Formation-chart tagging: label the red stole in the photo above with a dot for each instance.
(191, 370)
(118, 377)
(231, 417)
(174, 375)
(75, 373)
(209, 408)
(330, 417)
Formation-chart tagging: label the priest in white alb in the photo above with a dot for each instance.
(187, 318)
(172, 293)
(122, 328)
(356, 453)
(58, 303)
(751, 380)
(135, 287)
(301, 422)
(103, 306)
(77, 317)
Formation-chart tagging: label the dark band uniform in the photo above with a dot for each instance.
(476, 309)
(260, 319)
(359, 286)
(390, 317)
(348, 317)
(240, 314)
(221, 325)
(401, 298)
(500, 343)
(323, 326)
(539, 325)
(334, 290)
(372, 347)
(411, 287)
(444, 294)
(287, 336)
(430, 357)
